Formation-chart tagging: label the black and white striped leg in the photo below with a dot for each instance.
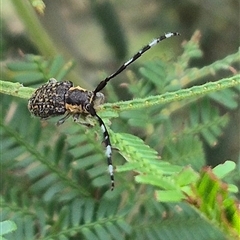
(103, 83)
(108, 152)
(106, 140)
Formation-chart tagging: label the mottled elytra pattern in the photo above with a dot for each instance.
(49, 99)
(59, 98)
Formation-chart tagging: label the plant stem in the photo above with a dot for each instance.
(17, 89)
(37, 33)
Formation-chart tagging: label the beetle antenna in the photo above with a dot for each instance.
(104, 82)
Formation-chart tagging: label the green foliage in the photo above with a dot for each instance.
(54, 180)
(6, 227)
(213, 199)
(35, 69)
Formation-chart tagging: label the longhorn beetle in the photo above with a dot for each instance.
(57, 98)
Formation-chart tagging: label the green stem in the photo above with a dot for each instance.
(196, 91)
(37, 33)
(17, 89)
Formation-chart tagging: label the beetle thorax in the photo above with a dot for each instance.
(78, 100)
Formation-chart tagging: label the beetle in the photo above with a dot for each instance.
(62, 98)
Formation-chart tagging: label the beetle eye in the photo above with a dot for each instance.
(87, 107)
